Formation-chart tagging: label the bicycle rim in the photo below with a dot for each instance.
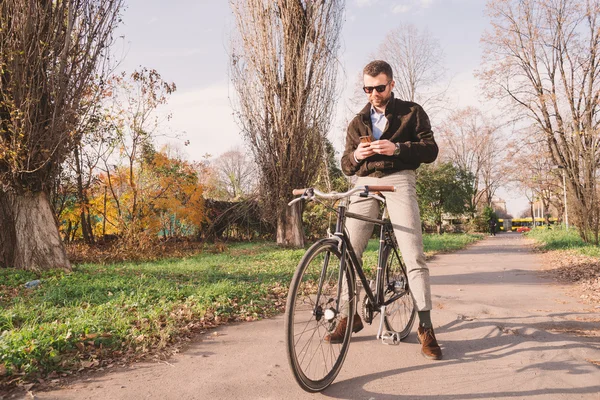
(310, 317)
(400, 314)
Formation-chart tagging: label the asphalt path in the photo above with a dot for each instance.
(507, 331)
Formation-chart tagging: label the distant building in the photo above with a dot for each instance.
(499, 205)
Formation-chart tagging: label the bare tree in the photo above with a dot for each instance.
(83, 162)
(236, 173)
(535, 174)
(417, 60)
(543, 58)
(474, 143)
(50, 53)
(283, 67)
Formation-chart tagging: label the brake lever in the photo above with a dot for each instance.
(377, 197)
(308, 194)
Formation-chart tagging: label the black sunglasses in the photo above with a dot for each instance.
(380, 88)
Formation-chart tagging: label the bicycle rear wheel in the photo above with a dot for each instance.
(401, 311)
(312, 312)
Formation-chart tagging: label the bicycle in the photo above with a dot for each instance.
(318, 300)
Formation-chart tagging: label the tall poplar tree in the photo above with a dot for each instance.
(283, 67)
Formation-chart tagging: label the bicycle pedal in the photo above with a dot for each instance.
(390, 338)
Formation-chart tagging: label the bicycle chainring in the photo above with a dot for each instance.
(367, 310)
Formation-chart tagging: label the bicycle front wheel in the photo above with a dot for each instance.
(317, 302)
(400, 311)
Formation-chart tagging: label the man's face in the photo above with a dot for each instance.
(375, 98)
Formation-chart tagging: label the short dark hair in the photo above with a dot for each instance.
(377, 67)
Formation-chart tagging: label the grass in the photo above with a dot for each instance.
(99, 313)
(561, 239)
(448, 242)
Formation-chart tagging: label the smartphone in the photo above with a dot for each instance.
(365, 139)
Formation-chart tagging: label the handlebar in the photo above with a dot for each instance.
(367, 190)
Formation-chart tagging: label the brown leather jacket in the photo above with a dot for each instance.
(408, 124)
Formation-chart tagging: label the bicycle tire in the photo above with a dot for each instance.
(400, 314)
(314, 362)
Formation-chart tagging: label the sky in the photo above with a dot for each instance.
(187, 42)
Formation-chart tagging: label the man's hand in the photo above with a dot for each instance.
(384, 147)
(363, 151)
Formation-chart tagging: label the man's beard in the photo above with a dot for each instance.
(381, 102)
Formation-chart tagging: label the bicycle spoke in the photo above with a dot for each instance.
(314, 331)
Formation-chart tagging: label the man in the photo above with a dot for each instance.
(401, 140)
(492, 226)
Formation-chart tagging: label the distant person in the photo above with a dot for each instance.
(385, 143)
(493, 225)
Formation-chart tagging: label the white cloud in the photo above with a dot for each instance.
(176, 52)
(205, 118)
(152, 20)
(400, 8)
(365, 3)
(409, 5)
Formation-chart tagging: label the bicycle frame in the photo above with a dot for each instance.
(375, 297)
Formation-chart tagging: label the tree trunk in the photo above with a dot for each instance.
(532, 211)
(67, 237)
(29, 238)
(289, 226)
(86, 226)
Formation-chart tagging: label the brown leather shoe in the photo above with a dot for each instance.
(337, 336)
(429, 345)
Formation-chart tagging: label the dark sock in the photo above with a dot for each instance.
(425, 319)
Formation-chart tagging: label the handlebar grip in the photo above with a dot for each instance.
(298, 192)
(377, 188)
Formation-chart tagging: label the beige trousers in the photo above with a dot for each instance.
(403, 210)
